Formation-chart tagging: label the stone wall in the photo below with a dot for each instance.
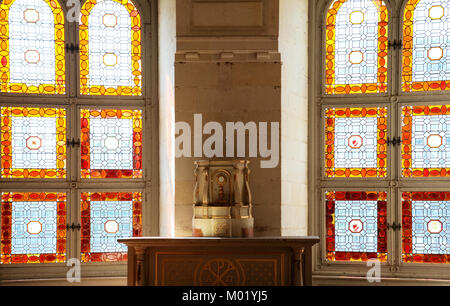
(228, 68)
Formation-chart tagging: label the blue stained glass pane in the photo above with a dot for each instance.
(356, 226)
(356, 43)
(110, 45)
(356, 142)
(111, 142)
(110, 220)
(33, 228)
(430, 145)
(31, 42)
(430, 41)
(431, 227)
(33, 142)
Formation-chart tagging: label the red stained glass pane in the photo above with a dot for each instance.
(106, 217)
(356, 225)
(425, 223)
(33, 227)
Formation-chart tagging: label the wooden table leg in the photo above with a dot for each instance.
(299, 271)
(308, 266)
(140, 273)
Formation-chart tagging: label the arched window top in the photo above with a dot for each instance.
(426, 24)
(110, 48)
(32, 55)
(356, 47)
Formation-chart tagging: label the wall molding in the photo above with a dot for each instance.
(238, 43)
(224, 15)
(227, 17)
(227, 56)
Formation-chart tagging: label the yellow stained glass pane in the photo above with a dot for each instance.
(425, 48)
(33, 142)
(356, 47)
(110, 48)
(32, 54)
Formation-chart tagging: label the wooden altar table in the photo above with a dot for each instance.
(187, 261)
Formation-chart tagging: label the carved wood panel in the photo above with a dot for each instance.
(174, 268)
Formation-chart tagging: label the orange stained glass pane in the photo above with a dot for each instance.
(32, 53)
(355, 142)
(33, 142)
(111, 143)
(356, 47)
(425, 141)
(110, 48)
(425, 46)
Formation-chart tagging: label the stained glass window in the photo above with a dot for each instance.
(32, 54)
(425, 50)
(33, 227)
(111, 143)
(110, 48)
(355, 142)
(39, 146)
(33, 142)
(356, 225)
(106, 217)
(426, 227)
(356, 47)
(426, 141)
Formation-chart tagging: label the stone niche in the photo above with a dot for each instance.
(222, 199)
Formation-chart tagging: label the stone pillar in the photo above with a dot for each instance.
(293, 42)
(166, 51)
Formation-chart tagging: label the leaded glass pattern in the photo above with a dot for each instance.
(106, 217)
(426, 227)
(110, 48)
(426, 141)
(426, 45)
(355, 142)
(33, 227)
(33, 142)
(356, 225)
(32, 53)
(356, 47)
(111, 143)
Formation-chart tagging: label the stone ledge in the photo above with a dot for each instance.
(332, 280)
(91, 281)
(227, 56)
